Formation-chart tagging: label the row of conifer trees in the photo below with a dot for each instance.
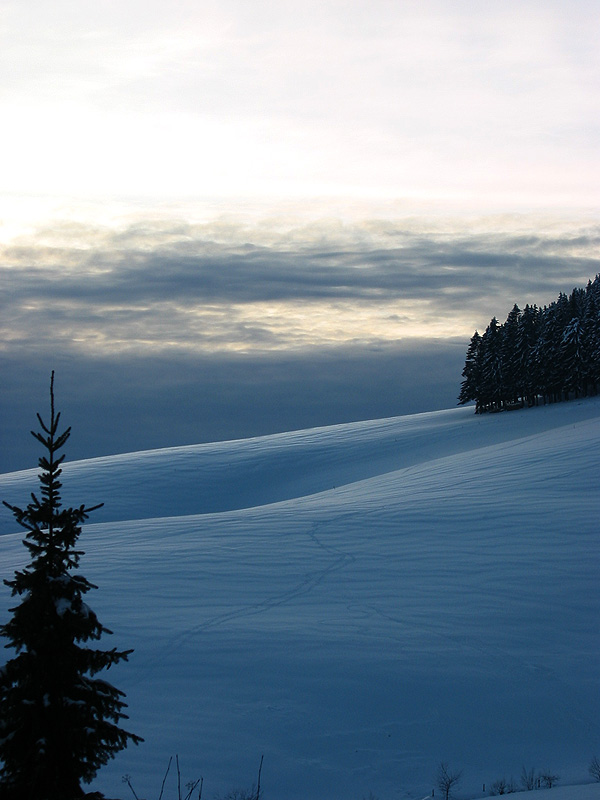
(538, 355)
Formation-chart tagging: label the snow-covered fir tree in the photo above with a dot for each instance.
(537, 355)
(58, 722)
(511, 366)
(492, 383)
(469, 389)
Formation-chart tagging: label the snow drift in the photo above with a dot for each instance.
(357, 603)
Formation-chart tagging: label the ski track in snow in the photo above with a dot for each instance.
(357, 602)
(304, 587)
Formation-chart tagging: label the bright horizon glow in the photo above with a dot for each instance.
(462, 104)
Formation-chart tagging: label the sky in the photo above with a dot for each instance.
(225, 219)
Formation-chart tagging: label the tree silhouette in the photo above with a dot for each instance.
(537, 355)
(447, 780)
(58, 723)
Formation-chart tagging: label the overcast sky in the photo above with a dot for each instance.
(225, 218)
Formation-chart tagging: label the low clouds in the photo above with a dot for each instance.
(176, 286)
(165, 333)
(121, 403)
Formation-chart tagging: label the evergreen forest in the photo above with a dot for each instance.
(538, 355)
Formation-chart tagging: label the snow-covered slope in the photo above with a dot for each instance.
(357, 603)
(590, 791)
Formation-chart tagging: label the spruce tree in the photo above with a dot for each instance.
(470, 387)
(571, 358)
(511, 373)
(551, 368)
(591, 340)
(551, 352)
(492, 382)
(527, 337)
(58, 723)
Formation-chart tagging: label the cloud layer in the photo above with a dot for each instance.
(166, 332)
(166, 286)
(122, 403)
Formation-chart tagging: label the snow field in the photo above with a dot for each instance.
(357, 603)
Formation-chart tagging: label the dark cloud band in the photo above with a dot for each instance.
(165, 335)
(135, 276)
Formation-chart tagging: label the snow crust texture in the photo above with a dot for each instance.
(357, 603)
